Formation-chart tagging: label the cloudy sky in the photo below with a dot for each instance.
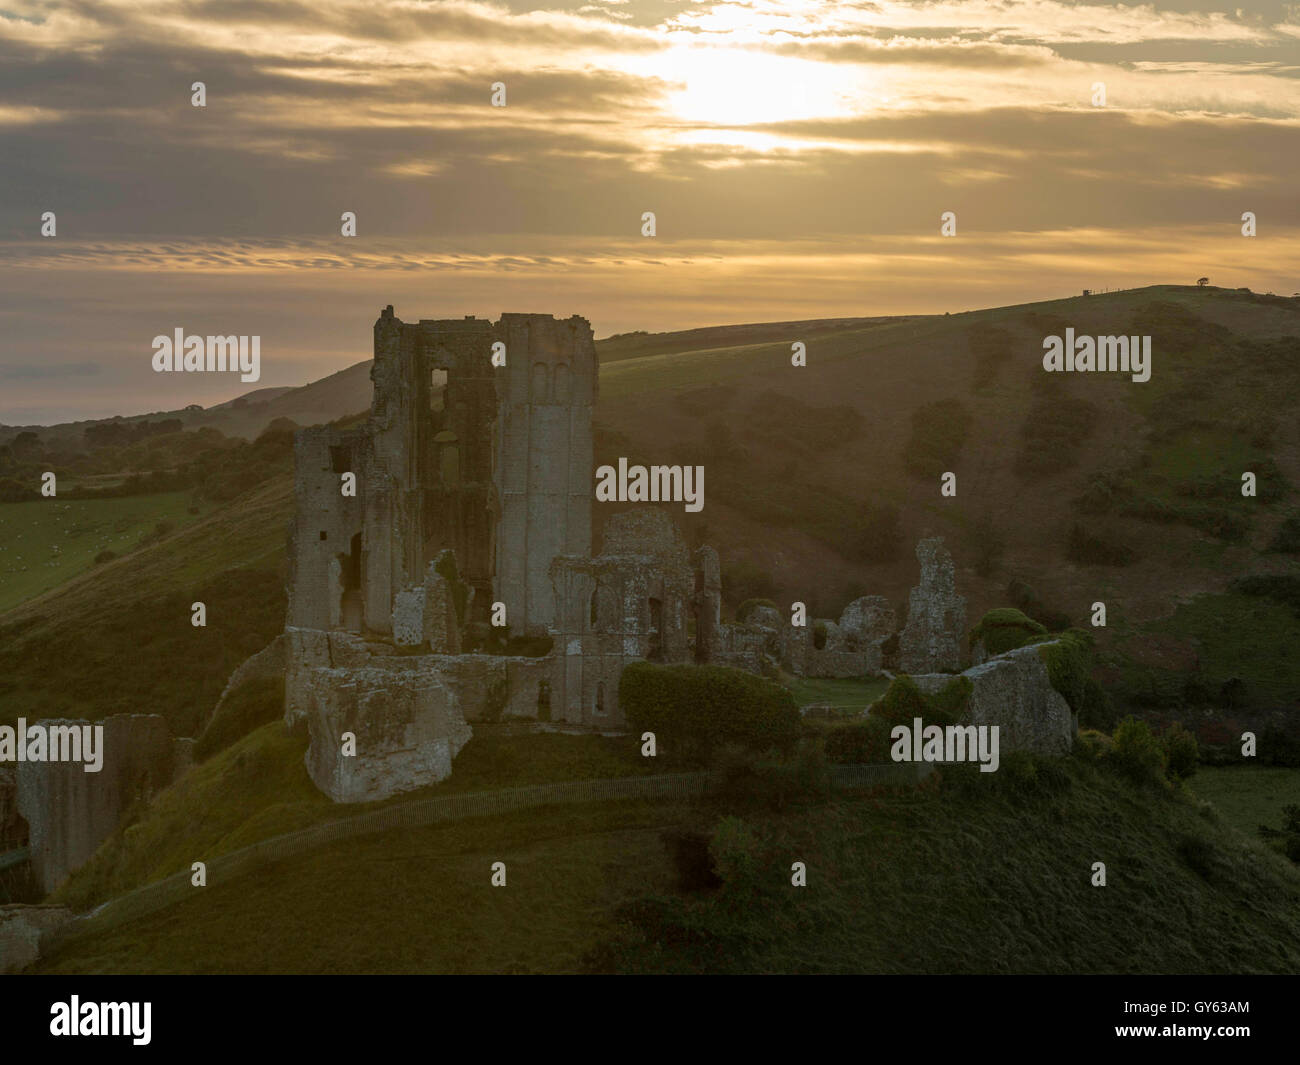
(798, 156)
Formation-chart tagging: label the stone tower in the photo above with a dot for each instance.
(547, 397)
(493, 462)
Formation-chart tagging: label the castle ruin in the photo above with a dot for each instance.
(441, 571)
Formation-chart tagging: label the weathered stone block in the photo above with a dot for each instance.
(408, 728)
(1013, 690)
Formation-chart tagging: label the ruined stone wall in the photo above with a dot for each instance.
(71, 812)
(630, 603)
(936, 615)
(326, 529)
(548, 394)
(13, 830)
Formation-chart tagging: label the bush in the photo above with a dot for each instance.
(746, 581)
(251, 705)
(1052, 436)
(864, 742)
(1023, 597)
(876, 535)
(1068, 657)
(1181, 752)
(12, 491)
(1098, 711)
(1136, 753)
(1090, 549)
(1004, 629)
(749, 605)
(938, 432)
(107, 555)
(1092, 745)
(737, 855)
(904, 701)
(991, 348)
(1287, 538)
(689, 853)
(1282, 588)
(692, 710)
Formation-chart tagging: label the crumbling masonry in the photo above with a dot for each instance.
(467, 492)
(473, 493)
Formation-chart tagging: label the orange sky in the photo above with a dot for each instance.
(798, 157)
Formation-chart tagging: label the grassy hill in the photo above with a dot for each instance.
(118, 639)
(976, 874)
(44, 544)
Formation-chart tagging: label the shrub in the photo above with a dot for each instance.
(1181, 752)
(864, 742)
(1136, 752)
(689, 853)
(107, 555)
(1287, 538)
(737, 855)
(747, 581)
(1098, 711)
(1052, 436)
(1004, 629)
(693, 710)
(13, 491)
(1090, 549)
(1068, 657)
(991, 348)
(876, 535)
(905, 701)
(1282, 588)
(1019, 771)
(1022, 596)
(1092, 745)
(938, 432)
(753, 779)
(251, 705)
(749, 605)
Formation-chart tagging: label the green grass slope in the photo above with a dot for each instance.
(43, 544)
(975, 875)
(257, 787)
(119, 638)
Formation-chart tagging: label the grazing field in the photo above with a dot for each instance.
(43, 544)
(1249, 796)
(844, 693)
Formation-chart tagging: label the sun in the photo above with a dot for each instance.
(741, 87)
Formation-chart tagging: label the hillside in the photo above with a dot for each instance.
(1081, 488)
(978, 874)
